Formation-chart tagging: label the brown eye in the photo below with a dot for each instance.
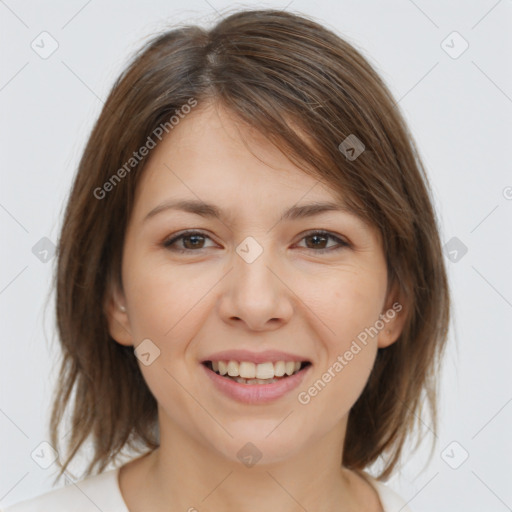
(193, 241)
(318, 240)
(190, 241)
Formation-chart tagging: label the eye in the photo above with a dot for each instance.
(194, 241)
(318, 239)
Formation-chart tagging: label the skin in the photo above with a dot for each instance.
(291, 298)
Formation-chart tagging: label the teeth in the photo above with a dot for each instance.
(289, 367)
(233, 369)
(223, 367)
(251, 373)
(247, 370)
(241, 380)
(265, 371)
(279, 368)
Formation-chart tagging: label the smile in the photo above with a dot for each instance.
(247, 372)
(255, 383)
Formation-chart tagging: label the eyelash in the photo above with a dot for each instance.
(168, 243)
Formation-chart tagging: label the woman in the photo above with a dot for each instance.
(250, 284)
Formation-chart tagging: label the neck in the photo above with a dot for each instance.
(186, 474)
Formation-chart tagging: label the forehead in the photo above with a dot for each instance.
(212, 143)
(211, 157)
(211, 146)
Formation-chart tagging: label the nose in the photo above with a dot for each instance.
(255, 294)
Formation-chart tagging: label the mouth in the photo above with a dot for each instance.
(249, 373)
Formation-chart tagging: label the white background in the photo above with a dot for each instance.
(460, 112)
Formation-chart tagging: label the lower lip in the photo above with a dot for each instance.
(256, 393)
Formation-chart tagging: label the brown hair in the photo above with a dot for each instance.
(307, 90)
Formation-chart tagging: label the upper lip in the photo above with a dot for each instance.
(254, 357)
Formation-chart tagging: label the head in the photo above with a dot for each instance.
(251, 116)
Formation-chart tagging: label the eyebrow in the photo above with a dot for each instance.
(212, 211)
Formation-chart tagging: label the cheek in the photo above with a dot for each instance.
(163, 300)
(335, 389)
(349, 306)
(165, 306)
(347, 355)
(347, 303)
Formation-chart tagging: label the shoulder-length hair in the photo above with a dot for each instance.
(307, 90)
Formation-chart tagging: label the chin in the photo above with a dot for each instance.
(260, 442)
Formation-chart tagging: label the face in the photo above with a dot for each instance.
(252, 286)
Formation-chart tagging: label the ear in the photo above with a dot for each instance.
(117, 315)
(393, 315)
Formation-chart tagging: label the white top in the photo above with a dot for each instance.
(102, 492)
